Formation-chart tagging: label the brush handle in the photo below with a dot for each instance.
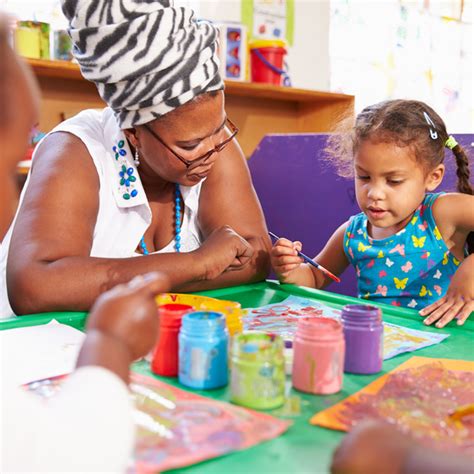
(310, 261)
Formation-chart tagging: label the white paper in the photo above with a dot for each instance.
(38, 352)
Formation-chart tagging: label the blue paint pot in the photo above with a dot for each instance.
(203, 341)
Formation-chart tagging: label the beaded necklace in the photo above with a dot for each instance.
(177, 217)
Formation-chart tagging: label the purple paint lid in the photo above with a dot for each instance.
(361, 313)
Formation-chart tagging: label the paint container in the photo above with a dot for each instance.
(203, 341)
(232, 310)
(233, 317)
(165, 355)
(363, 333)
(267, 62)
(257, 370)
(318, 359)
(32, 39)
(62, 45)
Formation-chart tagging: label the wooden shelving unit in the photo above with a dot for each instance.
(257, 109)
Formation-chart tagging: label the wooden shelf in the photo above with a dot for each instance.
(258, 109)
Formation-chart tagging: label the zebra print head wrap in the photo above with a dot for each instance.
(146, 57)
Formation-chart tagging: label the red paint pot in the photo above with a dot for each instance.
(165, 354)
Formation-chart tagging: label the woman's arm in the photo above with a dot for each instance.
(49, 265)
(228, 198)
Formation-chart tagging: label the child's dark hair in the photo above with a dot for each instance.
(405, 123)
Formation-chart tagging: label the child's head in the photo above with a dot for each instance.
(396, 150)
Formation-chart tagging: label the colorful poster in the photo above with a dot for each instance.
(269, 19)
(177, 428)
(281, 318)
(418, 398)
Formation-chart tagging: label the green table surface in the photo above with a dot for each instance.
(303, 448)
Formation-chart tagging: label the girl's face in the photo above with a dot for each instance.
(189, 132)
(390, 185)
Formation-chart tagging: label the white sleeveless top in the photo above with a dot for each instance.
(124, 213)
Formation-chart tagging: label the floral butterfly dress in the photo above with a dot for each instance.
(412, 268)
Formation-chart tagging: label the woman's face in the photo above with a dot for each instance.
(190, 132)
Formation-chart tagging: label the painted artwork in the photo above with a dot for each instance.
(175, 428)
(417, 398)
(57, 344)
(281, 318)
(421, 52)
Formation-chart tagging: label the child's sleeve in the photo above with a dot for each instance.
(87, 427)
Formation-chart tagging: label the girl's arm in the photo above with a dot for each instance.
(289, 267)
(454, 217)
(49, 264)
(331, 257)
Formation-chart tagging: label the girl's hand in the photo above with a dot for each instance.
(458, 301)
(285, 260)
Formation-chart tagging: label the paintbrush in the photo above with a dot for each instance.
(461, 412)
(311, 261)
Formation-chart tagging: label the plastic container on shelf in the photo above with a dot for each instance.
(267, 62)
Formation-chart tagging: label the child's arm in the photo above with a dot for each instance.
(375, 447)
(454, 217)
(290, 268)
(122, 325)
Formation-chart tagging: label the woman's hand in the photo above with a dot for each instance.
(128, 313)
(224, 250)
(285, 260)
(458, 301)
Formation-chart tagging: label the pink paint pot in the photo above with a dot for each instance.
(318, 359)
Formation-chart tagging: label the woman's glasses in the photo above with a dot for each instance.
(191, 164)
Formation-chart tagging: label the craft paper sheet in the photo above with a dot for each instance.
(417, 397)
(175, 428)
(38, 352)
(281, 318)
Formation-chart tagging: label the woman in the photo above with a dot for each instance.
(159, 173)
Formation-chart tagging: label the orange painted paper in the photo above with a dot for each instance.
(331, 417)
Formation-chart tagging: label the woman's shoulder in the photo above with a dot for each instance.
(90, 121)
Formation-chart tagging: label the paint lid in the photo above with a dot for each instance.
(171, 314)
(257, 347)
(361, 314)
(267, 43)
(319, 328)
(203, 323)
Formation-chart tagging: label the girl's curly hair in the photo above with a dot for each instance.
(405, 123)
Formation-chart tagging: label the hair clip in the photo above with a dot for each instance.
(450, 142)
(433, 133)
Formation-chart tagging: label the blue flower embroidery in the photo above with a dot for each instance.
(126, 177)
(119, 150)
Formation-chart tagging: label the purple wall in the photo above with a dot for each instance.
(302, 197)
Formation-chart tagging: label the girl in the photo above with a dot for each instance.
(408, 246)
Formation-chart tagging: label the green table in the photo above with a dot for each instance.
(303, 448)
